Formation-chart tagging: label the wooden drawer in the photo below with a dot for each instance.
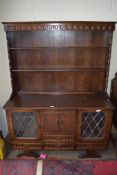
(58, 146)
(58, 138)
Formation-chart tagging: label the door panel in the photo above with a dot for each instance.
(94, 125)
(67, 122)
(24, 124)
(51, 122)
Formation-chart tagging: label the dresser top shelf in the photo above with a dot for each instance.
(59, 65)
(68, 101)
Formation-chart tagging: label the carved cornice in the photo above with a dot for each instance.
(61, 26)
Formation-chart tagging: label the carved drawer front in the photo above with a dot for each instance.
(59, 121)
(27, 146)
(94, 125)
(58, 146)
(59, 142)
(89, 146)
(57, 138)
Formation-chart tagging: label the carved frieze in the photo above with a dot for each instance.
(74, 26)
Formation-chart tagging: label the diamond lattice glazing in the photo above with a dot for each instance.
(93, 124)
(25, 124)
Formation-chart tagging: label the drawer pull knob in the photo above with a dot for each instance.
(58, 122)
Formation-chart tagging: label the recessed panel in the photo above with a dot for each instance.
(59, 58)
(59, 39)
(59, 81)
(25, 124)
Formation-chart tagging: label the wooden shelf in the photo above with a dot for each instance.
(69, 101)
(58, 69)
(54, 47)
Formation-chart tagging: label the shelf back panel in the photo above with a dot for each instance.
(59, 56)
(58, 81)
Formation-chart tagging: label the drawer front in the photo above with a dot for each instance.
(91, 146)
(58, 146)
(26, 146)
(58, 138)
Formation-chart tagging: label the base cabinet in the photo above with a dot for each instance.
(59, 129)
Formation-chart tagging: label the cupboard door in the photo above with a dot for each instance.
(67, 122)
(24, 124)
(59, 121)
(94, 125)
(59, 129)
(51, 122)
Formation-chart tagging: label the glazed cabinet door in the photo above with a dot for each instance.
(24, 128)
(94, 125)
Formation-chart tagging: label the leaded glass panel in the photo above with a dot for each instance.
(25, 124)
(93, 124)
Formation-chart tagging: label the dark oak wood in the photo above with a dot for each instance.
(48, 101)
(59, 121)
(113, 96)
(53, 58)
(59, 39)
(59, 74)
(59, 26)
(54, 81)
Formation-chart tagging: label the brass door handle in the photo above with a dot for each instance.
(61, 122)
(58, 122)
